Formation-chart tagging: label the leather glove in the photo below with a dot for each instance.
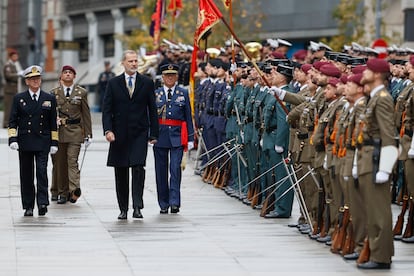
(53, 149)
(190, 145)
(325, 162)
(279, 149)
(381, 177)
(87, 141)
(14, 146)
(355, 172)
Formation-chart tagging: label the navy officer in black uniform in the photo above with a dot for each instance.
(176, 136)
(33, 132)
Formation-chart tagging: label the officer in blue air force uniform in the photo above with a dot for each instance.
(176, 136)
(33, 132)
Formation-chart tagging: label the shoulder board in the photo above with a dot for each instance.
(383, 93)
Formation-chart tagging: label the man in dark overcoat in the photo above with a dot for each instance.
(130, 121)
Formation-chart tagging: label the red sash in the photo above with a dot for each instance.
(183, 124)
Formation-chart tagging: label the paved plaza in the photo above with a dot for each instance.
(212, 235)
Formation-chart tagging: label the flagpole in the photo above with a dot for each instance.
(173, 20)
(254, 64)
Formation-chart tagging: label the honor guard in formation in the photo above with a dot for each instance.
(317, 128)
(33, 133)
(75, 129)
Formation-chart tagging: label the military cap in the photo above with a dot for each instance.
(277, 61)
(333, 81)
(356, 61)
(241, 64)
(215, 62)
(331, 55)
(412, 60)
(378, 65)
(32, 71)
(296, 64)
(202, 66)
(285, 70)
(313, 46)
(68, 67)
(371, 52)
(283, 42)
(356, 78)
(169, 68)
(330, 70)
(342, 59)
(323, 46)
(398, 61)
(224, 65)
(12, 52)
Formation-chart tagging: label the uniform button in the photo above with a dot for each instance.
(29, 123)
(30, 116)
(169, 126)
(41, 116)
(169, 113)
(28, 131)
(40, 131)
(41, 124)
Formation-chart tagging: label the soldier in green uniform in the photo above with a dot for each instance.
(75, 128)
(376, 156)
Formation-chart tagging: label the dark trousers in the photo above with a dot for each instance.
(168, 191)
(122, 187)
(28, 160)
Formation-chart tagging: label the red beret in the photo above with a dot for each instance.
(278, 55)
(300, 54)
(378, 65)
(344, 78)
(318, 64)
(333, 81)
(412, 60)
(68, 67)
(201, 54)
(12, 52)
(359, 69)
(330, 70)
(306, 67)
(356, 78)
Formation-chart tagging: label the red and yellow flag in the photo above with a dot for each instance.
(208, 16)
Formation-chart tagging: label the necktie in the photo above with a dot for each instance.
(35, 97)
(67, 92)
(169, 94)
(130, 86)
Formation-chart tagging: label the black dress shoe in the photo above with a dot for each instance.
(374, 265)
(174, 209)
(75, 195)
(54, 198)
(123, 215)
(61, 200)
(42, 210)
(164, 211)
(272, 215)
(137, 213)
(28, 212)
(352, 256)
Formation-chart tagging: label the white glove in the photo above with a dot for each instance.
(346, 178)
(279, 149)
(14, 146)
(190, 145)
(355, 172)
(87, 141)
(411, 150)
(53, 149)
(411, 153)
(21, 73)
(325, 162)
(280, 93)
(233, 67)
(261, 142)
(381, 177)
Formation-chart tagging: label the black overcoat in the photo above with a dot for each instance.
(133, 120)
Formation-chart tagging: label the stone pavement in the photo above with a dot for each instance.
(212, 235)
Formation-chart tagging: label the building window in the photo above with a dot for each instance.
(409, 21)
(83, 49)
(109, 45)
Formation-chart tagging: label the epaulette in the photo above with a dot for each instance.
(12, 132)
(383, 94)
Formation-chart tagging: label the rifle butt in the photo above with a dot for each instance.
(365, 252)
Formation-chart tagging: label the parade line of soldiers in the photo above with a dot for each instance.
(331, 129)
